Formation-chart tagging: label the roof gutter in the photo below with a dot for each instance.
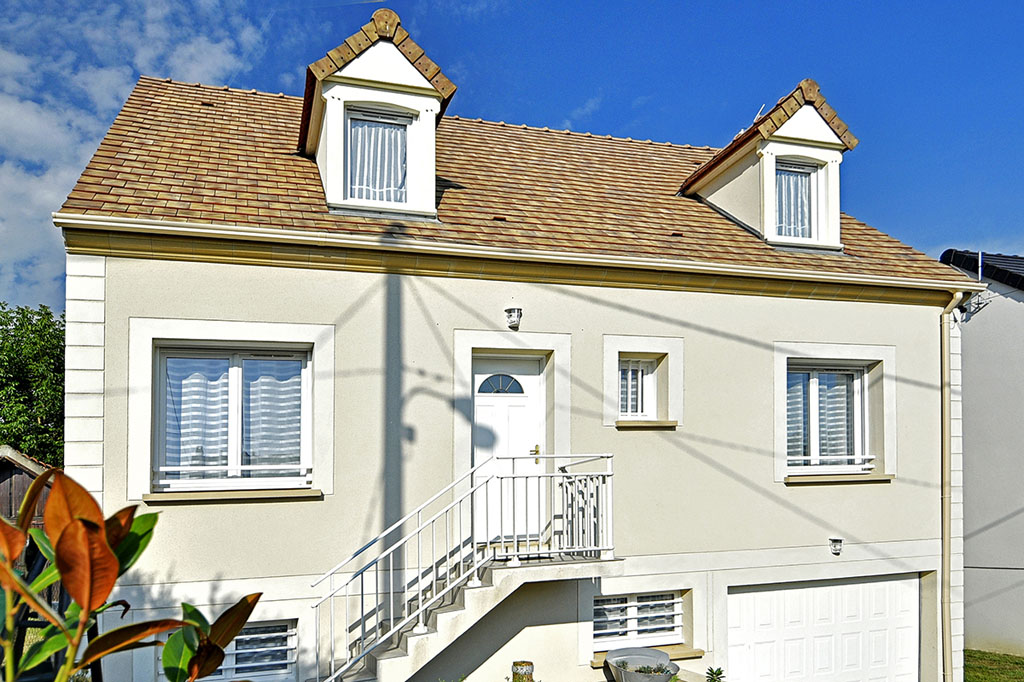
(947, 487)
(414, 246)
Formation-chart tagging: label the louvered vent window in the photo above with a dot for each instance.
(650, 619)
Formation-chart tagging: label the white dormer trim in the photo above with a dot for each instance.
(744, 185)
(825, 225)
(380, 81)
(807, 126)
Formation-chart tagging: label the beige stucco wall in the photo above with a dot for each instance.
(707, 486)
(737, 191)
(993, 525)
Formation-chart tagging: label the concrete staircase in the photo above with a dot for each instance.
(450, 621)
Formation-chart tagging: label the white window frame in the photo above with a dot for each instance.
(234, 469)
(146, 335)
(366, 113)
(646, 389)
(863, 357)
(824, 186)
(635, 633)
(232, 671)
(814, 463)
(670, 351)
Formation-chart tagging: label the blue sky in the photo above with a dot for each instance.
(933, 90)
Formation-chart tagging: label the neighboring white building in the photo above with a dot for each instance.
(454, 393)
(993, 392)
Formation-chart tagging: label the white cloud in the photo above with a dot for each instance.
(65, 68)
(583, 112)
(107, 87)
(203, 60)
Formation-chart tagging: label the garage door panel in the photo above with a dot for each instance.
(824, 655)
(850, 631)
(878, 650)
(795, 659)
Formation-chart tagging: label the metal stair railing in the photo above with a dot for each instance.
(504, 513)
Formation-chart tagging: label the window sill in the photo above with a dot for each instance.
(776, 240)
(632, 424)
(384, 210)
(190, 496)
(676, 652)
(837, 479)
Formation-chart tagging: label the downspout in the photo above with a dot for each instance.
(946, 617)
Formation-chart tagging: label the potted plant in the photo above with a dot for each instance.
(641, 665)
(714, 675)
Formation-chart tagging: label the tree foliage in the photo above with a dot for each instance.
(32, 382)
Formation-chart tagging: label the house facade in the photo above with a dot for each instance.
(992, 321)
(453, 393)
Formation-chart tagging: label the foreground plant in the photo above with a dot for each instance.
(87, 554)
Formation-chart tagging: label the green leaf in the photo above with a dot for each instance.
(42, 542)
(48, 577)
(134, 544)
(41, 650)
(176, 656)
(192, 638)
(11, 579)
(195, 616)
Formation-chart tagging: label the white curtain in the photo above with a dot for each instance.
(271, 414)
(835, 416)
(196, 432)
(797, 417)
(631, 387)
(376, 167)
(793, 203)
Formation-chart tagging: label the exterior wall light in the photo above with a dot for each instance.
(836, 545)
(512, 317)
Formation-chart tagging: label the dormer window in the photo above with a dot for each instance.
(369, 116)
(377, 157)
(779, 178)
(794, 199)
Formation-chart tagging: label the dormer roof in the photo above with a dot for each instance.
(385, 25)
(806, 92)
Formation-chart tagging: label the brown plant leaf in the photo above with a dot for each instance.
(88, 567)
(124, 637)
(205, 661)
(119, 525)
(11, 580)
(12, 541)
(231, 622)
(27, 511)
(69, 501)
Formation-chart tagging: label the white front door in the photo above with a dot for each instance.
(508, 426)
(836, 631)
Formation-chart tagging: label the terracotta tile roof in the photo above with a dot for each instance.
(195, 153)
(384, 25)
(806, 92)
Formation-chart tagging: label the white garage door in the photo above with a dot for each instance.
(848, 631)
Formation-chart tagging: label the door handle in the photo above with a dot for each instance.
(536, 454)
